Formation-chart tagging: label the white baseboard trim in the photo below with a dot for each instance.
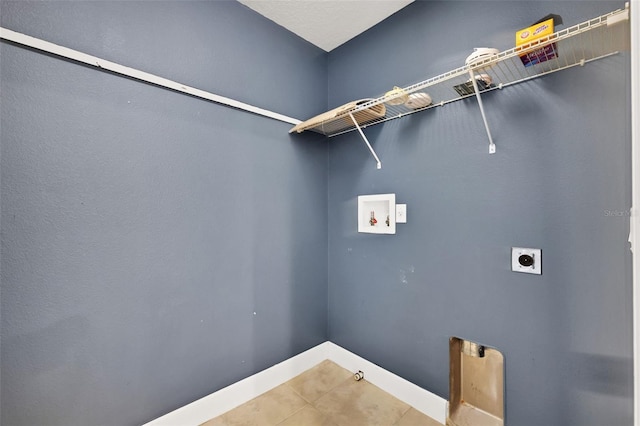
(240, 392)
(422, 400)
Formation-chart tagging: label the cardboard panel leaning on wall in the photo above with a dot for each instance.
(560, 181)
(151, 254)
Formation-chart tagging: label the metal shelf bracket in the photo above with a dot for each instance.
(492, 146)
(366, 141)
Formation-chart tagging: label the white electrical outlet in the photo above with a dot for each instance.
(527, 260)
(401, 213)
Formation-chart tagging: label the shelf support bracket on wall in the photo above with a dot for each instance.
(378, 163)
(492, 146)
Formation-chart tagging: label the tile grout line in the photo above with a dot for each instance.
(312, 404)
(402, 416)
(331, 418)
(292, 414)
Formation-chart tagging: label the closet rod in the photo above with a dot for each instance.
(84, 58)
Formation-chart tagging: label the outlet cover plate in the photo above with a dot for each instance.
(534, 268)
(401, 213)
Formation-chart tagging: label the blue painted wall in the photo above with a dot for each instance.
(142, 229)
(156, 247)
(560, 181)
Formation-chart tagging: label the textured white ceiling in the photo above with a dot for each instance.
(326, 23)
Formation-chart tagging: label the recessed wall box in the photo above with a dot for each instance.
(377, 213)
(476, 384)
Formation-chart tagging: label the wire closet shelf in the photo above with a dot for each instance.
(588, 41)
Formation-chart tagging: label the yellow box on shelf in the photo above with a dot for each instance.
(536, 32)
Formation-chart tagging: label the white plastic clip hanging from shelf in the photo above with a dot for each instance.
(489, 70)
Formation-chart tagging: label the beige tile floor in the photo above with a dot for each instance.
(325, 395)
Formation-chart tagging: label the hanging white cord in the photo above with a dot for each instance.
(84, 58)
